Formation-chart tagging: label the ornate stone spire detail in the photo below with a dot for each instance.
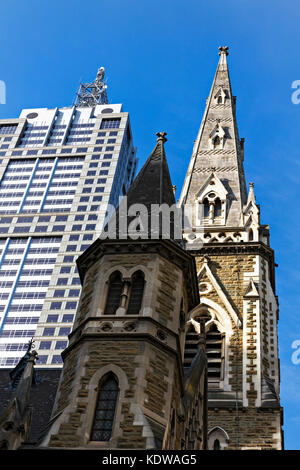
(223, 50)
(218, 145)
(161, 137)
(251, 196)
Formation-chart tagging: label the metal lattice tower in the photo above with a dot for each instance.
(91, 94)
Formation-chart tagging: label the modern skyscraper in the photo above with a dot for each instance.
(236, 275)
(60, 168)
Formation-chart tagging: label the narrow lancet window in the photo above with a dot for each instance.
(216, 444)
(136, 293)
(217, 141)
(105, 409)
(218, 207)
(206, 208)
(114, 294)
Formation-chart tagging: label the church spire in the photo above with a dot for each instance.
(144, 211)
(218, 150)
(153, 183)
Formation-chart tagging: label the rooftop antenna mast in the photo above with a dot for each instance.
(91, 94)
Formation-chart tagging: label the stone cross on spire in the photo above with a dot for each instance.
(223, 50)
(161, 136)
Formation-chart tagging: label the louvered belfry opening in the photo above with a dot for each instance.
(214, 347)
(114, 293)
(105, 409)
(214, 354)
(191, 347)
(136, 293)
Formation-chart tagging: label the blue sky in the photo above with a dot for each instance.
(160, 59)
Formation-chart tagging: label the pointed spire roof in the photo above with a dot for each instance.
(139, 208)
(153, 183)
(17, 372)
(218, 146)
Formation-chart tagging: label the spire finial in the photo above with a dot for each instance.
(251, 196)
(161, 137)
(223, 50)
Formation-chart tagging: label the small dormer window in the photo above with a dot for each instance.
(220, 96)
(210, 203)
(212, 208)
(217, 136)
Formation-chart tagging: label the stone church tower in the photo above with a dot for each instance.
(123, 385)
(235, 268)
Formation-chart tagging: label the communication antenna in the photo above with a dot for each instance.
(91, 94)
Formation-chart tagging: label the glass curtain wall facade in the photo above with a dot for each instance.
(60, 168)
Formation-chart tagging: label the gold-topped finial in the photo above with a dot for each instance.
(223, 50)
(161, 136)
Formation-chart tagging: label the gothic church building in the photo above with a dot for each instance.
(174, 344)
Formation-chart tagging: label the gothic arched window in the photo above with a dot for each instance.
(136, 293)
(206, 208)
(213, 209)
(217, 439)
(218, 207)
(114, 293)
(250, 235)
(217, 141)
(105, 409)
(220, 99)
(216, 444)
